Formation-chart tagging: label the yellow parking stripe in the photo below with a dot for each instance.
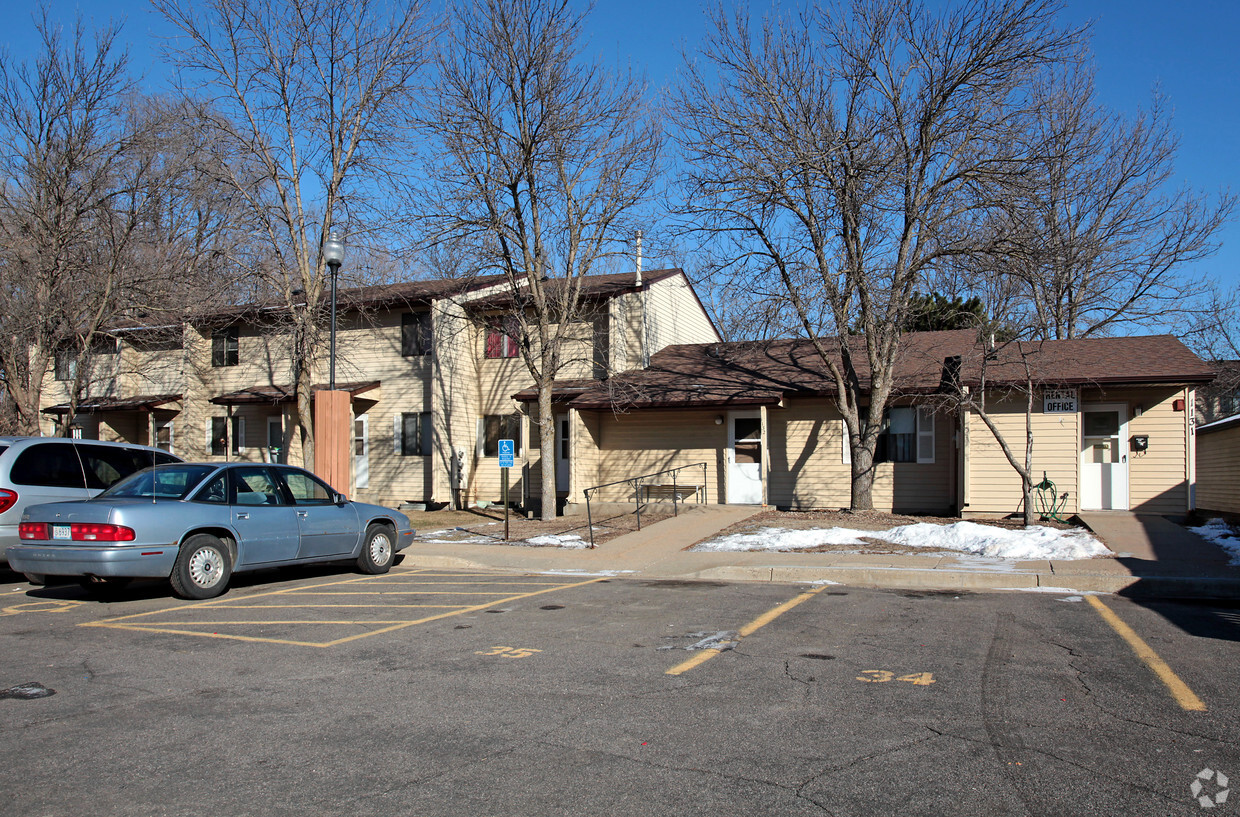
(1179, 690)
(761, 621)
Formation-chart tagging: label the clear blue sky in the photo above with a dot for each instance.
(1191, 48)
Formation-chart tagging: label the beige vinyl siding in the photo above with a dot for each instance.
(649, 441)
(808, 471)
(994, 485)
(370, 349)
(807, 467)
(676, 316)
(1157, 478)
(586, 459)
(454, 401)
(626, 332)
(1218, 470)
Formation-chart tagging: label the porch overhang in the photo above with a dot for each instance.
(286, 393)
(95, 405)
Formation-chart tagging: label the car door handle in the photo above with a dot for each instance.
(243, 516)
(303, 514)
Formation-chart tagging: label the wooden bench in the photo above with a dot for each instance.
(678, 492)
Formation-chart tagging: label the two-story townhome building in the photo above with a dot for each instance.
(432, 373)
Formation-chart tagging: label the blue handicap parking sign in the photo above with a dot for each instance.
(506, 449)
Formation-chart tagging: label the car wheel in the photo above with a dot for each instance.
(378, 550)
(202, 568)
(104, 586)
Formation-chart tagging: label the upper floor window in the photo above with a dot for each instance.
(415, 334)
(500, 343)
(66, 364)
(224, 348)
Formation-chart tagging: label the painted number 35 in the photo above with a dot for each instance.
(882, 676)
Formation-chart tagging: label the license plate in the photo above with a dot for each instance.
(61, 532)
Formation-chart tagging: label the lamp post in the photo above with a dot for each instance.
(333, 254)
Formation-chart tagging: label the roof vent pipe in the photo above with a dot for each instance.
(639, 257)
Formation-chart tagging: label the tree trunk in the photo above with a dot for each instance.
(546, 448)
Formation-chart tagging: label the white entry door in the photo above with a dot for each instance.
(744, 458)
(361, 451)
(1104, 457)
(562, 447)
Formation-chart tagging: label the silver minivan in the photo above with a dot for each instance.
(34, 470)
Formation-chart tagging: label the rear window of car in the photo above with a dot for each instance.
(52, 465)
(106, 465)
(172, 481)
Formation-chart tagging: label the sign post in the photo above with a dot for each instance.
(506, 457)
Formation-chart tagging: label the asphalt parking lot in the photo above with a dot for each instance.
(439, 692)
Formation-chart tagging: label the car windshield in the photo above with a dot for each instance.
(162, 482)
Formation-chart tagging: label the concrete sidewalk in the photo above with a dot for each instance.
(1155, 558)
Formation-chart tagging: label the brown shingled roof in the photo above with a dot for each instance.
(592, 286)
(1085, 361)
(765, 372)
(757, 372)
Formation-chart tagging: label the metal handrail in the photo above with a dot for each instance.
(636, 482)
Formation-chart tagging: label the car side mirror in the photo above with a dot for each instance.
(340, 499)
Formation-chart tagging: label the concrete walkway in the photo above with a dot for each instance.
(1155, 558)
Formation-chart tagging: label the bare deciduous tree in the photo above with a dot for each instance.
(846, 154)
(1093, 235)
(544, 158)
(106, 215)
(315, 97)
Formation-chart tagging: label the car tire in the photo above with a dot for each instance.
(378, 550)
(104, 586)
(202, 569)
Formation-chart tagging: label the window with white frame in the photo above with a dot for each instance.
(495, 427)
(412, 434)
(907, 436)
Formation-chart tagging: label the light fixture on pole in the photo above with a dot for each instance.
(333, 255)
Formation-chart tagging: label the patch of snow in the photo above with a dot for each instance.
(719, 641)
(1221, 534)
(576, 572)
(563, 540)
(959, 537)
(1075, 595)
(820, 582)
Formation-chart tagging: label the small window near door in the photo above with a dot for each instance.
(219, 436)
(748, 447)
(163, 435)
(1100, 423)
(564, 438)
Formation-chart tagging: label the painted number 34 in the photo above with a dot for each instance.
(882, 676)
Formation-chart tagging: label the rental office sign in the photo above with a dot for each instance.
(1059, 401)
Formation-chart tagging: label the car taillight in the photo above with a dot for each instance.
(95, 532)
(7, 499)
(32, 530)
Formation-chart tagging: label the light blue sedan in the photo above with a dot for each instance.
(196, 524)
